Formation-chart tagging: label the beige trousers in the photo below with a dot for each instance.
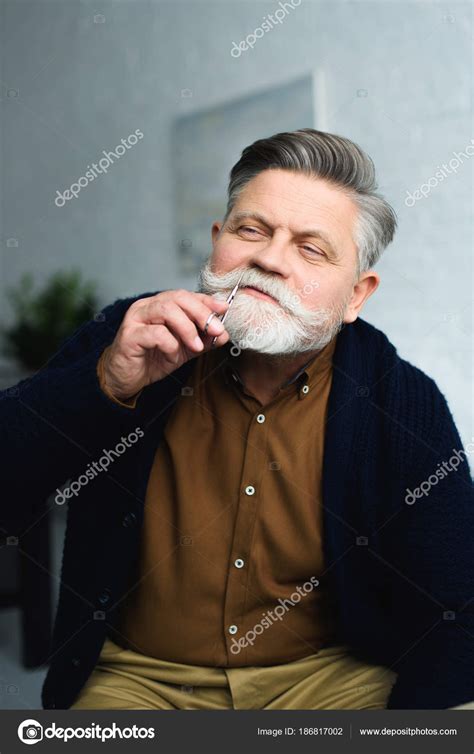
(328, 679)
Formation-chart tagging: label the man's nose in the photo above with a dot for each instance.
(273, 255)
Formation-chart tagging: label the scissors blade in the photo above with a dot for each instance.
(229, 300)
(231, 297)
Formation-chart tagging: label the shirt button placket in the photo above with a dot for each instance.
(235, 596)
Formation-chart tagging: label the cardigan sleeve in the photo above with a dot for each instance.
(431, 560)
(52, 423)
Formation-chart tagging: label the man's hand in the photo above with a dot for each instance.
(157, 335)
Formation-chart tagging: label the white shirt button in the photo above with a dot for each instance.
(305, 389)
(249, 490)
(233, 629)
(261, 418)
(239, 563)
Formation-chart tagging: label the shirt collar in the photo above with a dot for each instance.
(306, 377)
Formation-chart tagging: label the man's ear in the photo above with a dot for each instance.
(366, 285)
(215, 230)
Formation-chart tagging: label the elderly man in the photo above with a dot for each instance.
(280, 516)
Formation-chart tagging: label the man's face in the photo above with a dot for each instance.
(292, 236)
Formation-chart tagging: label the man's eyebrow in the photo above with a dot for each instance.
(315, 232)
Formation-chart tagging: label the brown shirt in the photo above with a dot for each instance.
(231, 552)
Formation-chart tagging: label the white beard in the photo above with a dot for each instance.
(283, 328)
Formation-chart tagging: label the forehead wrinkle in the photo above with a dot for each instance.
(305, 199)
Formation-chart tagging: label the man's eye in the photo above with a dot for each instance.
(248, 229)
(314, 251)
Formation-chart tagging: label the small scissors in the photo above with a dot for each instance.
(229, 300)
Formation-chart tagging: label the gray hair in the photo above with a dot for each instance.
(339, 161)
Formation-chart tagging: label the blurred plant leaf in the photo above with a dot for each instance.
(44, 320)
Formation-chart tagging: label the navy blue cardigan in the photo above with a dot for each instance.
(401, 574)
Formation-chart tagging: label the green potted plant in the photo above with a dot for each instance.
(46, 318)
